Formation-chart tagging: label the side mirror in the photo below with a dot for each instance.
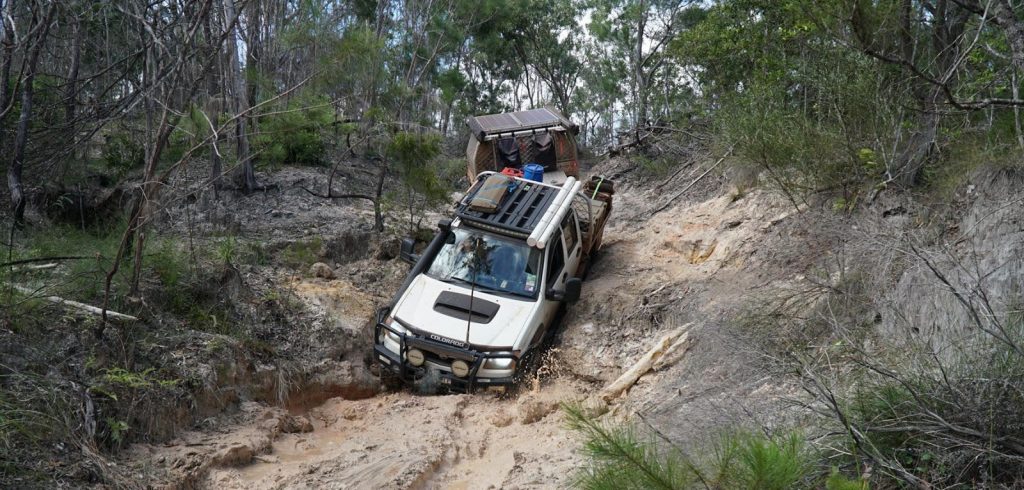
(573, 287)
(407, 252)
(570, 293)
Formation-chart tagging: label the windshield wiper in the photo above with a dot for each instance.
(454, 280)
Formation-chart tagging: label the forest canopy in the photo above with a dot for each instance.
(847, 97)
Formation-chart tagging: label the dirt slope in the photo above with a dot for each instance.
(695, 262)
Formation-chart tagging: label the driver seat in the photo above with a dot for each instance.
(506, 264)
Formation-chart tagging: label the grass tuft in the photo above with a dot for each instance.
(623, 457)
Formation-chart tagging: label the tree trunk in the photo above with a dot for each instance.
(921, 144)
(71, 91)
(378, 214)
(214, 107)
(5, 68)
(639, 97)
(253, 56)
(1013, 29)
(246, 175)
(14, 183)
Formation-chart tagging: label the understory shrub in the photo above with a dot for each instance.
(294, 134)
(623, 456)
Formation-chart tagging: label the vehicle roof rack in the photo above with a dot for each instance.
(518, 212)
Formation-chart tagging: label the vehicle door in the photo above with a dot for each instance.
(555, 274)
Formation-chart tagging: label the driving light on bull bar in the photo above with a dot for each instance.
(460, 368)
(500, 363)
(415, 357)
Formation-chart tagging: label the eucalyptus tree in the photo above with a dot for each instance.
(38, 32)
(545, 37)
(637, 34)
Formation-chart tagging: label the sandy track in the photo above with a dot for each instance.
(650, 277)
(400, 440)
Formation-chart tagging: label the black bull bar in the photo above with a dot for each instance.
(397, 363)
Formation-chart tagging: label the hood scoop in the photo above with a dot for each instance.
(457, 305)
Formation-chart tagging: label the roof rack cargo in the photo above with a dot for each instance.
(519, 211)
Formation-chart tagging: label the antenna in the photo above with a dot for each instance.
(474, 265)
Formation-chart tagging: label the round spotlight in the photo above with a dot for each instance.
(460, 368)
(415, 357)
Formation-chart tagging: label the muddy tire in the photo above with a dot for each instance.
(390, 381)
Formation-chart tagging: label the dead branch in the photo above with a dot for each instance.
(691, 184)
(331, 195)
(75, 305)
(671, 342)
(44, 259)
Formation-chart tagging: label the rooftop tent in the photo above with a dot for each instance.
(493, 125)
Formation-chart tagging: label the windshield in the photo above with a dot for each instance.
(492, 263)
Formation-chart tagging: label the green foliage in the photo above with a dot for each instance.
(838, 481)
(294, 134)
(825, 137)
(122, 377)
(35, 414)
(19, 423)
(187, 137)
(84, 277)
(231, 250)
(656, 167)
(169, 261)
(969, 151)
(115, 382)
(226, 250)
(755, 461)
(416, 156)
(122, 154)
(301, 254)
(621, 459)
(944, 417)
(118, 430)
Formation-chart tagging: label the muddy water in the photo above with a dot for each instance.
(405, 441)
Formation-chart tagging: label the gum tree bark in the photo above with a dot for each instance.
(14, 181)
(247, 174)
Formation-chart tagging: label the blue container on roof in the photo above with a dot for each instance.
(534, 172)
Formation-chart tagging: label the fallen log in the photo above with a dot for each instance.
(675, 339)
(674, 353)
(75, 305)
(698, 179)
(39, 267)
(44, 259)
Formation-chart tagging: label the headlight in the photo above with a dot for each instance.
(500, 363)
(393, 333)
(391, 340)
(460, 368)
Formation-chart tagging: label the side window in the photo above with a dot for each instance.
(556, 260)
(569, 231)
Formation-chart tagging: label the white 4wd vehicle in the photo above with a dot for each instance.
(486, 289)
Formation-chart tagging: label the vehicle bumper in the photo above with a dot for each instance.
(441, 354)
